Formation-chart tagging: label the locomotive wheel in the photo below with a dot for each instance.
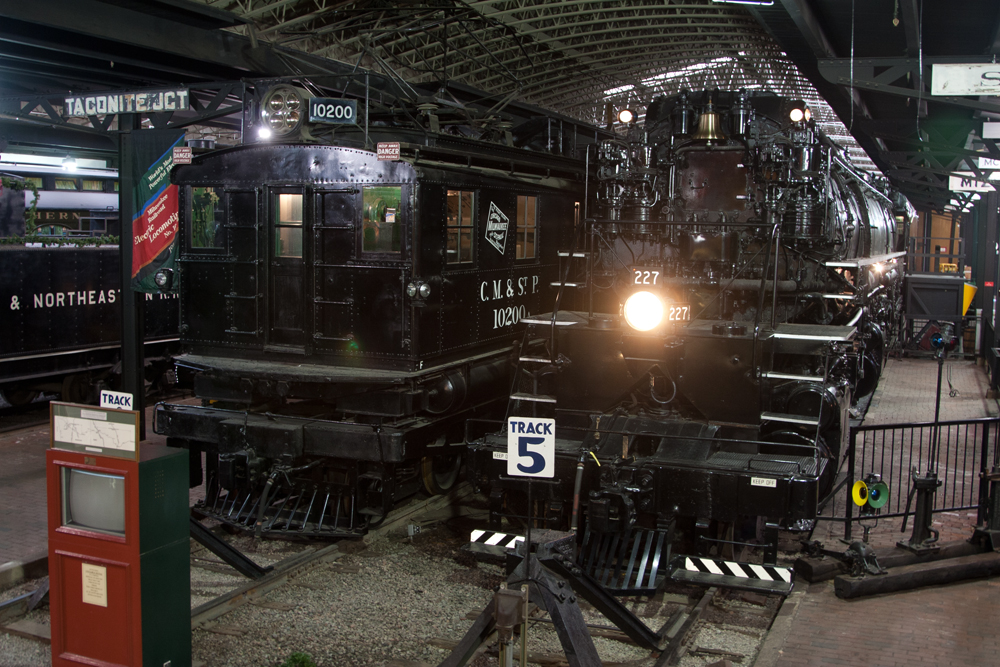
(75, 388)
(19, 397)
(440, 472)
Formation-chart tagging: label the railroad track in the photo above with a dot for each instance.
(343, 597)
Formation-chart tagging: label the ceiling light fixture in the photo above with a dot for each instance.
(69, 163)
(766, 3)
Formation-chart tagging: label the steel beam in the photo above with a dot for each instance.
(891, 70)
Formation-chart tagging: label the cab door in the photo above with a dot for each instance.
(287, 231)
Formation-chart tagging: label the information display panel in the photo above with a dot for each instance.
(91, 430)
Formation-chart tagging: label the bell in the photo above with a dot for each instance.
(708, 125)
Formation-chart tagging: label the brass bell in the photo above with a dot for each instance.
(709, 125)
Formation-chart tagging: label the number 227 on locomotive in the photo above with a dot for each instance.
(343, 316)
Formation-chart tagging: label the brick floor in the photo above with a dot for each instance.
(939, 625)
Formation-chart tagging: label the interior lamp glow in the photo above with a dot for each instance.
(643, 311)
(796, 115)
(626, 116)
(69, 164)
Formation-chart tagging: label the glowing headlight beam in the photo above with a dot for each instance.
(643, 311)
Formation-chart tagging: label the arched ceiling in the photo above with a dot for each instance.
(575, 57)
(865, 62)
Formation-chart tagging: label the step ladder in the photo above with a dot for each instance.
(538, 356)
(800, 339)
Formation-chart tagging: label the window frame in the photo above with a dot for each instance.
(519, 241)
(393, 255)
(221, 221)
(277, 224)
(471, 227)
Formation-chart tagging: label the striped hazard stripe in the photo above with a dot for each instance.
(489, 538)
(734, 575)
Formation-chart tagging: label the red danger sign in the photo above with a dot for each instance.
(182, 155)
(388, 150)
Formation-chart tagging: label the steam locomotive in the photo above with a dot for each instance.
(344, 314)
(734, 291)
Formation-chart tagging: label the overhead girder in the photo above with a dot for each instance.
(207, 102)
(838, 70)
(625, 50)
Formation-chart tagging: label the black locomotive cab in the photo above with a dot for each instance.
(343, 316)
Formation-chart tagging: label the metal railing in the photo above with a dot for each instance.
(965, 450)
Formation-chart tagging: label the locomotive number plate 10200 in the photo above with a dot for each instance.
(333, 110)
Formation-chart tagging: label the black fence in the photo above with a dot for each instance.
(958, 451)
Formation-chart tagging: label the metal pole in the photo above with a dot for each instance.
(133, 305)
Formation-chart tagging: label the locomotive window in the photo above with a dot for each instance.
(380, 224)
(65, 184)
(527, 225)
(288, 226)
(460, 226)
(206, 218)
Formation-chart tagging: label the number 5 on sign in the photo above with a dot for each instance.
(531, 447)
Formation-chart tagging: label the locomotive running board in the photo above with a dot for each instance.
(729, 574)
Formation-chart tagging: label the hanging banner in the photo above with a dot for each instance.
(154, 229)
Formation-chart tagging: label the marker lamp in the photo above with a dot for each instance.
(164, 278)
(796, 115)
(643, 311)
(626, 116)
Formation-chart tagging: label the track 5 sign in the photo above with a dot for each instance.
(531, 447)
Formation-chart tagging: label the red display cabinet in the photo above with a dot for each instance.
(119, 565)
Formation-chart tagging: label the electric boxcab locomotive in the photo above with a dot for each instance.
(343, 315)
(736, 286)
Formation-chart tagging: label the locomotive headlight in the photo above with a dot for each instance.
(796, 115)
(643, 311)
(421, 289)
(626, 116)
(164, 278)
(807, 114)
(281, 110)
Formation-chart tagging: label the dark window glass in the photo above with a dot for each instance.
(527, 226)
(460, 226)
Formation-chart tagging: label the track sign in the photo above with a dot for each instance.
(332, 110)
(531, 447)
(965, 79)
(965, 181)
(116, 399)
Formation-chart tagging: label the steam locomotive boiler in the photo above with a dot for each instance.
(731, 295)
(342, 314)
